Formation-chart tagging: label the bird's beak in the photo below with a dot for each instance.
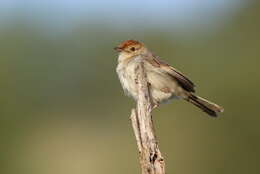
(118, 49)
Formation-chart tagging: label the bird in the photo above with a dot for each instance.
(165, 82)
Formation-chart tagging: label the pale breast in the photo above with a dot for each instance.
(126, 73)
(162, 86)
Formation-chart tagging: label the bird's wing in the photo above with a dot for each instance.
(182, 80)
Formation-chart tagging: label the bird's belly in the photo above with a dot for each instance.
(126, 77)
(160, 97)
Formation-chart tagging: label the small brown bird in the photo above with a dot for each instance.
(165, 82)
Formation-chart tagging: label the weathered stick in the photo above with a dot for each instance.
(151, 160)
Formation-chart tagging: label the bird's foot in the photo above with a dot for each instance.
(155, 105)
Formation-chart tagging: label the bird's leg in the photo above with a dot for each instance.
(155, 105)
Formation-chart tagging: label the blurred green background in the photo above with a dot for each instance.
(63, 109)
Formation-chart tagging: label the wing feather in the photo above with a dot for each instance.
(182, 80)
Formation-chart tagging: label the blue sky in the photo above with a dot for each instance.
(181, 13)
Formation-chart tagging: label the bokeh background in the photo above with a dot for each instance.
(63, 110)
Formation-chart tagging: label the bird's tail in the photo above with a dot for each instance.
(210, 108)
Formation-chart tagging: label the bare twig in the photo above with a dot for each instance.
(151, 160)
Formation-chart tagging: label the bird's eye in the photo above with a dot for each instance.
(132, 48)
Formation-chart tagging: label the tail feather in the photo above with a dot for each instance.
(210, 108)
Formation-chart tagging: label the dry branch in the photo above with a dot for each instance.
(151, 160)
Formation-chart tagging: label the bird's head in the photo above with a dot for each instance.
(130, 48)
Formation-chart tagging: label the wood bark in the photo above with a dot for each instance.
(150, 157)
